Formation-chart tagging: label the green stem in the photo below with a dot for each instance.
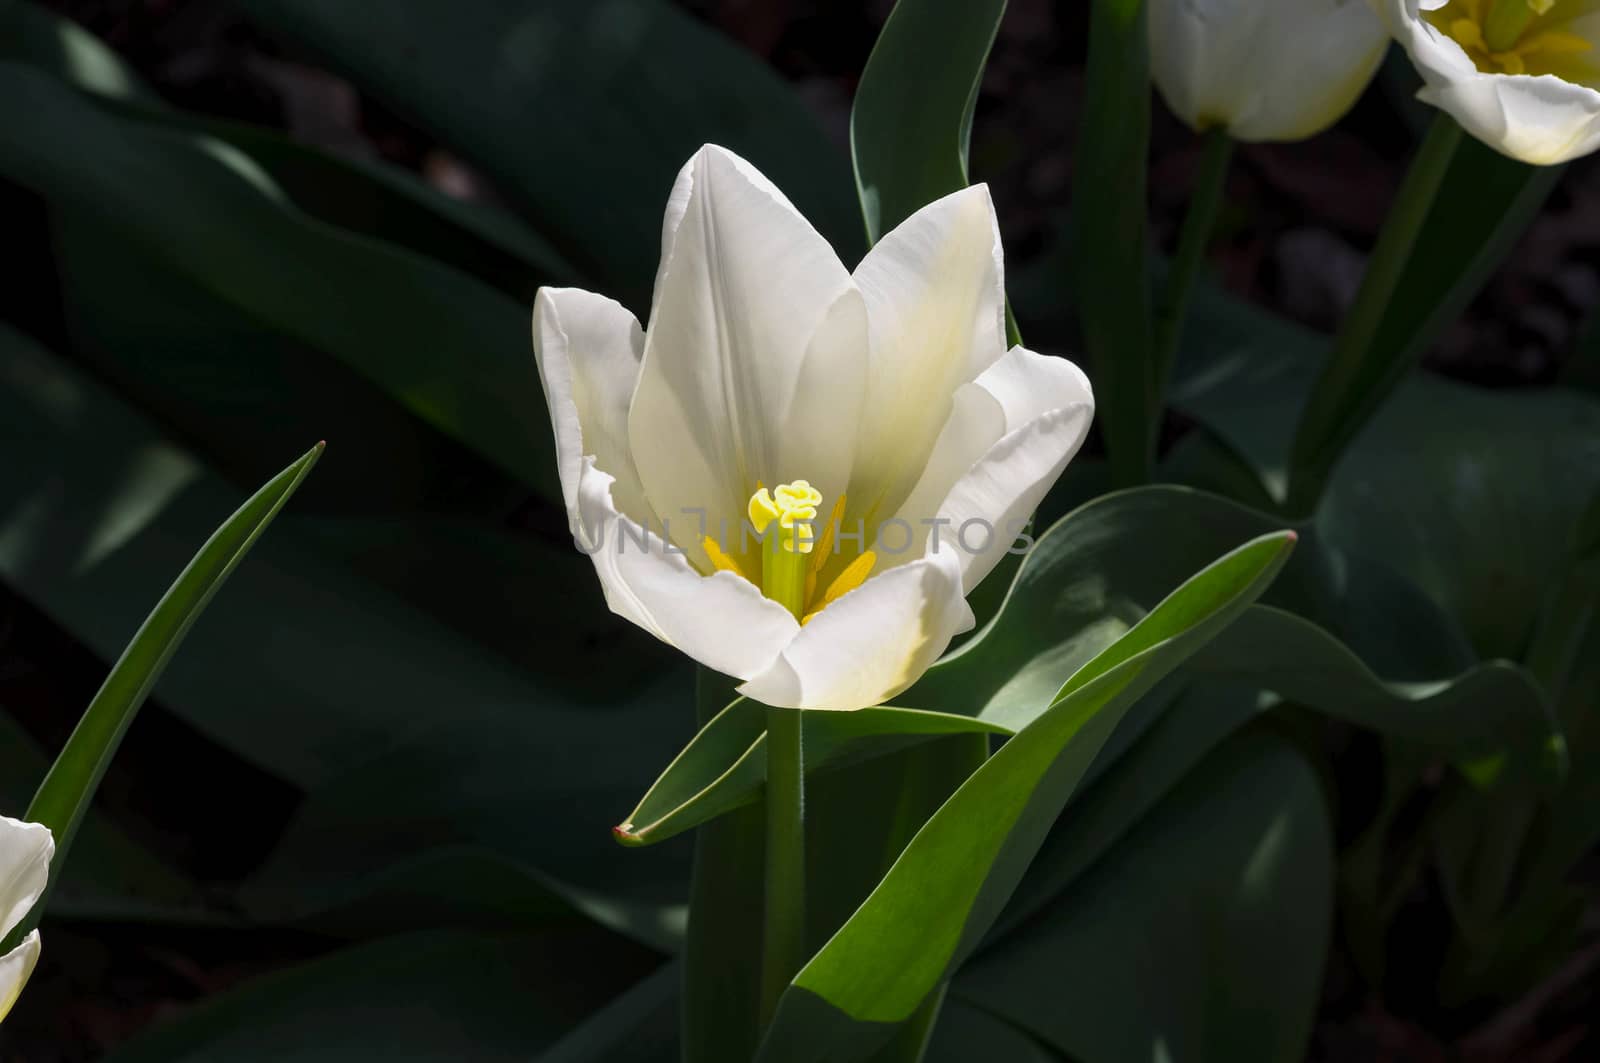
(1198, 225)
(784, 944)
(1310, 463)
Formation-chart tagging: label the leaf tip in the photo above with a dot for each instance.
(624, 835)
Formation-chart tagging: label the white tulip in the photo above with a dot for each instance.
(26, 850)
(1520, 75)
(774, 385)
(1264, 70)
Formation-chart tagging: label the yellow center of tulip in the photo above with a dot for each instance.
(1520, 36)
(794, 550)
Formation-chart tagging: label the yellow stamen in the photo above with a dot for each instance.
(854, 575)
(1505, 36)
(720, 560)
(819, 556)
(784, 569)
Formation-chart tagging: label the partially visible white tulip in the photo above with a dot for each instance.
(1520, 75)
(775, 386)
(26, 850)
(1264, 70)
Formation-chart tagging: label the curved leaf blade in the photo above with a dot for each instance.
(63, 798)
(912, 119)
(948, 886)
(724, 766)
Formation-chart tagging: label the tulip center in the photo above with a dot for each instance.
(1518, 36)
(794, 550)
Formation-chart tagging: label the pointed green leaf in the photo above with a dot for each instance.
(1202, 936)
(724, 766)
(1483, 206)
(948, 886)
(63, 798)
(912, 119)
(545, 98)
(1108, 223)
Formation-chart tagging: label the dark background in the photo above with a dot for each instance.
(1293, 235)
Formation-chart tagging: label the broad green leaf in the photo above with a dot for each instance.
(1265, 658)
(218, 218)
(33, 34)
(440, 995)
(724, 766)
(63, 798)
(912, 119)
(1495, 486)
(1201, 937)
(381, 201)
(1088, 580)
(1482, 208)
(1495, 482)
(967, 1032)
(546, 98)
(859, 817)
(948, 886)
(1110, 272)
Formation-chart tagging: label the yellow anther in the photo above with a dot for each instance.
(794, 507)
(797, 495)
(763, 511)
(786, 575)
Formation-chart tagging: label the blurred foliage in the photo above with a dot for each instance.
(421, 659)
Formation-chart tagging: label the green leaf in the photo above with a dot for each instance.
(1110, 272)
(213, 215)
(63, 798)
(1088, 580)
(948, 886)
(105, 506)
(110, 876)
(1484, 204)
(379, 200)
(546, 98)
(421, 996)
(724, 766)
(33, 34)
(1201, 936)
(966, 1032)
(912, 119)
(859, 815)
(1495, 483)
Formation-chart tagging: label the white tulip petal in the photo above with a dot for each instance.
(1013, 432)
(1542, 120)
(26, 850)
(1538, 120)
(588, 349)
(15, 968)
(871, 643)
(1302, 91)
(935, 296)
(1199, 51)
(720, 620)
(747, 339)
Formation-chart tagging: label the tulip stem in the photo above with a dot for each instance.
(784, 944)
(1198, 225)
(1347, 392)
